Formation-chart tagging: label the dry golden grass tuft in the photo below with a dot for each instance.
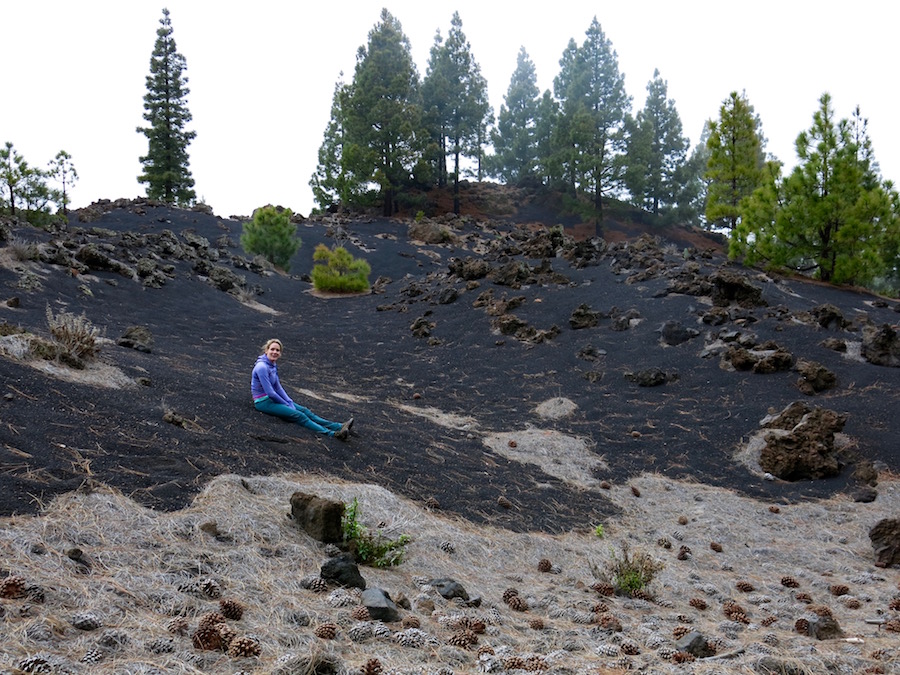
(151, 576)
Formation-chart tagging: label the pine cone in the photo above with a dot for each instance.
(361, 613)
(790, 582)
(544, 565)
(448, 547)
(86, 621)
(93, 656)
(641, 594)
(803, 597)
(411, 622)
(243, 646)
(210, 620)
(735, 612)
(514, 663)
(892, 625)
(682, 657)
(509, 593)
(178, 626)
(715, 546)
(680, 631)
(232, 609)
(600, 607)
(801, 626)
(518, 603)
(464, 638)
(682, 520)
(664, 542)
(161, 646)
(630, 648)
(227, 633)
(210, 588)
(535, 663)
(13, 587)
(838, 590)
(35, 593)
(485, 650)
(698, 603)
(607, 649)
(504, 502)
(604, 589)
(852, 603)
(372, 667)
(326, 631)
(744, 586)
(536, 624)
(769, 620)
(207, 638)
(683, 554)
(821, 610)
(35, 664)
(609, 622)
(894, 604)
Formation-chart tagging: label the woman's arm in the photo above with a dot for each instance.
(271, 385)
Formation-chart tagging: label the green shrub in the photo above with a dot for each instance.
(337, 271)
(632, 571)
(272, 235)
(370, 549)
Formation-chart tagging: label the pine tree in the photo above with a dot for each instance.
(656, 151)
(13, 169)
(63, 170)
(593, 108)
(514, 140)
(165, 166)
(736, 161)
(272, 235)
(331, 184)
(454, 95)
(383, 113)
(832, 216)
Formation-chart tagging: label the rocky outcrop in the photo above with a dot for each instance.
(881, 346)
(885, 538)
(320, 518)
(801, 443)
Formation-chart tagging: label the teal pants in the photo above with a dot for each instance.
(298, 415)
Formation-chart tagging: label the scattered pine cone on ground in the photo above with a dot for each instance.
(232, 609)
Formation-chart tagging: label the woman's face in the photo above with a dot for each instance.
(273, 351)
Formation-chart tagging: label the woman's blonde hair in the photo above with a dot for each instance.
(269, 343)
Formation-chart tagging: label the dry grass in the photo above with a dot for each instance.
(140, 569)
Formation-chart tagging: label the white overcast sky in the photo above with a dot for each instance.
(262, 75)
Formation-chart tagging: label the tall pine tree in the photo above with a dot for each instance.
(454, 97)
(515, 145)
(384, 136)
(736, 161)
(832, 216)
(593, 101)
(166, 165)
(656, 151)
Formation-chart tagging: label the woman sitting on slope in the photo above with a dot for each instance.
(269, 396)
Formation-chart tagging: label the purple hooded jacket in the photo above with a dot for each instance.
(265, 382)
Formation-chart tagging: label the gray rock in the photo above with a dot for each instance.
(343, 570)
(380, 605)
(695, 643)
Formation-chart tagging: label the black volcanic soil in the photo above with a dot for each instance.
(359, 356)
